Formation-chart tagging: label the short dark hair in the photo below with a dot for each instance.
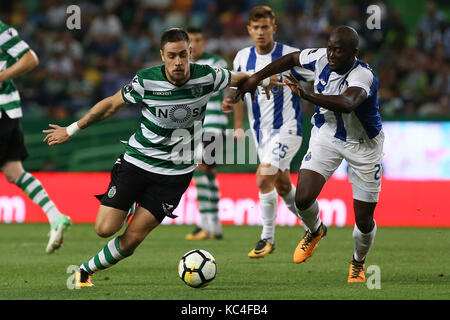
(174, 35)
(193, 29)
(259, 12)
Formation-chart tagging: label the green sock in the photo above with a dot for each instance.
(214, 204)
(33, 188)
(207, 196)
(107, 257)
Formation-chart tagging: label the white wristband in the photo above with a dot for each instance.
(73, 129)
(265, 82)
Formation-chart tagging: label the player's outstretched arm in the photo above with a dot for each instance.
(284, 63)
(268, 83)
(100, 111)
(27, 62)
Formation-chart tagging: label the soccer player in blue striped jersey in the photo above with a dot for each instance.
(174, 96)
(347, 125)
(276, 123)
(17, 58)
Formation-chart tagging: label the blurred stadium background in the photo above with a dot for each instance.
(410, 54)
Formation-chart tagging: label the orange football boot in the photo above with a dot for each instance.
(356, 271)
(308, 244)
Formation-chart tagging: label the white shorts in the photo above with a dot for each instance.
(278, 148)
(326, 153)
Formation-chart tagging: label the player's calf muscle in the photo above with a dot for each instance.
(12, 170)
(283, 183)
(131, 240)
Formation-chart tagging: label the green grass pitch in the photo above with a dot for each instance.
(413, 263)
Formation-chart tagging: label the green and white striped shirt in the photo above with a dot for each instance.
(215, 119)
(11, 49)
(169, 115)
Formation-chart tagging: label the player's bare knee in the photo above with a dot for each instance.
(283, 188)
(303, 202)
(365, 225)
(262, 184)
(103, 231)
(265, 183)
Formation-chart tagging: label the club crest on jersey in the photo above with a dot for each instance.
(180, 113)
(343, 85)
(112, 192)
(308, 156)
(197, 91)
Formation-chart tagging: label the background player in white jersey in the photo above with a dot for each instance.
(17, 58)
(347, 125)
(214, 125)
(276, 124)
(174, 97)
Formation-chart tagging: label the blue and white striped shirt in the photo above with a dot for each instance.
(283, 110)
(364, 122)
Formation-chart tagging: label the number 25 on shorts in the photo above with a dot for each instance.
(280, 150)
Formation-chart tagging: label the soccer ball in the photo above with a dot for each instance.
(197, 268)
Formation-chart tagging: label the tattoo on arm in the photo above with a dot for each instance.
(94, 118)
(101, 111)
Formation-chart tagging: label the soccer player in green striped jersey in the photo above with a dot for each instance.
(17, 58)
(174, 97)
(214, 125)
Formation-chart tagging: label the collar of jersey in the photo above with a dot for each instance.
(163, 71)
(271, 51)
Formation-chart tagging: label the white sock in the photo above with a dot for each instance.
(215, 224)
(363, 242)
(204, 222)
(310, 217)
(269, 202)
(289, 199)
(203, 195)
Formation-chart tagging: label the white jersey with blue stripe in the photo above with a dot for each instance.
(364, 122)
(282, 111)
